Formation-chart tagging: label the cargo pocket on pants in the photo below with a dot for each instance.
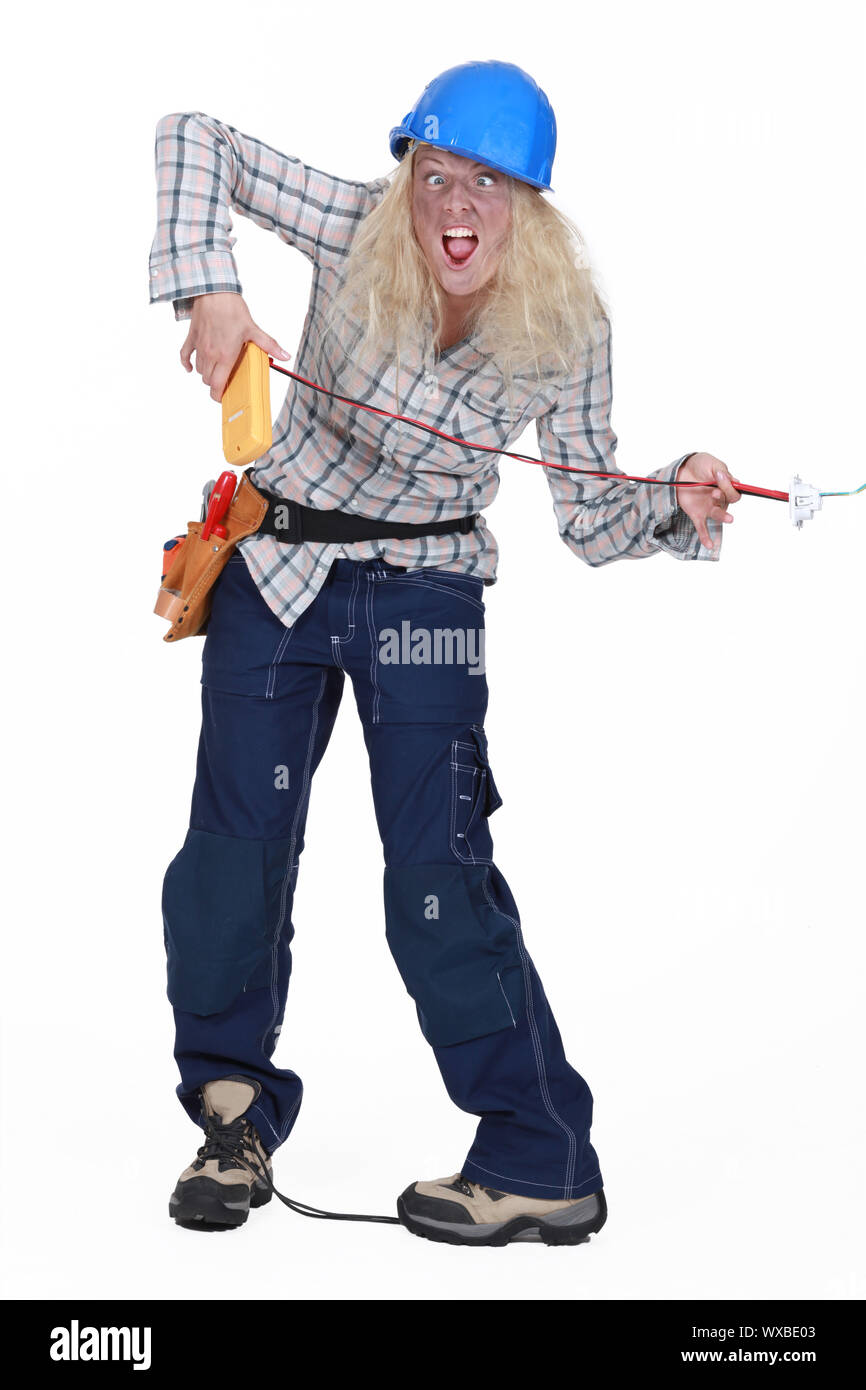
(474, 797)
(223, 902)
(457, 955)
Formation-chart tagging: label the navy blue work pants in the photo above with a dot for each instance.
(412, 644)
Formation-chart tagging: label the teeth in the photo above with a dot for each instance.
(463, 231)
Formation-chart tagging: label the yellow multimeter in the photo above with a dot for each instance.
(246, 403)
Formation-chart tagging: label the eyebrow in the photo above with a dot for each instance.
(432, 159)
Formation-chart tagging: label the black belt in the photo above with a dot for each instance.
(292, 522)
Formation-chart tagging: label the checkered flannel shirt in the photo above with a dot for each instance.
(325, 454)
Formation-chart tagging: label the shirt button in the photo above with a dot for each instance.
(320, 569)
(354, 502)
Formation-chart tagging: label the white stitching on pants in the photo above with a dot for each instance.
(272, 669)
(373, 649)
(287, 876)
(438, 572)
(455, 769)
(479, 792)
(254, 1106)
(505, 997)
(470, 1163)
(536, 1045)
(350, 608)
(443, 588)
(290, 1117)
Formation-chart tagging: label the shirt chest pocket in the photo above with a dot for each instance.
(485, 421)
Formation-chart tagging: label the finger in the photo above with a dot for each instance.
(269, 345)
(726, 485)
(218, 381)
(209, 367)
(186, 353)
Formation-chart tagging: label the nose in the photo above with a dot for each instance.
(458, 198)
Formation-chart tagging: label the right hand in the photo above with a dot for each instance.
(219, 327)
(710, 503)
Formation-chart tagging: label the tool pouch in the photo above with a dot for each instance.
(185, 593)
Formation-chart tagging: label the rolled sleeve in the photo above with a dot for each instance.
(671, 529)
(182, 280)
(205, 169)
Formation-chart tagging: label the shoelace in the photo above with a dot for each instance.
(227, 1142)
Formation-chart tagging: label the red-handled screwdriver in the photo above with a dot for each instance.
(220, 501)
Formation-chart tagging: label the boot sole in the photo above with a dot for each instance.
(570, 1229)
(213, 1206)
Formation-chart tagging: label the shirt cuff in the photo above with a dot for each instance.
(185, 277)
(670, 529)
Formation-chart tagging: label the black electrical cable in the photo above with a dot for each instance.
(302, 1208)
(522, 458)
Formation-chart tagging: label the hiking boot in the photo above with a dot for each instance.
(461, 1212)
(218, 1188)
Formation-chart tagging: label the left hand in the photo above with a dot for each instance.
(703, 504)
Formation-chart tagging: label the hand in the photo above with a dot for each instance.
(219, 327)
(703, 504)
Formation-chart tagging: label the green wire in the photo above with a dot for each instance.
(852, 493)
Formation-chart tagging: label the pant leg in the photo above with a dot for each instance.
(451, 921)
(269, 699)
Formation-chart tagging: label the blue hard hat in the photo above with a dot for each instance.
(489, 111)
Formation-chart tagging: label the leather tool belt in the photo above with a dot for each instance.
(185, 593)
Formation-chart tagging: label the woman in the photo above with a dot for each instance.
(455, 294)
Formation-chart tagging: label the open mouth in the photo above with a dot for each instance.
(459, 247)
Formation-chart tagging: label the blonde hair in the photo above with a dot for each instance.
(537, 316)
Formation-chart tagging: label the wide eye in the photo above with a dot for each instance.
(428, 177)
(490, 180)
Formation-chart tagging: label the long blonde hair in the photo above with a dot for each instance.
(536, 317)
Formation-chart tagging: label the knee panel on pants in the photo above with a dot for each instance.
(224, 903)
(458, 956)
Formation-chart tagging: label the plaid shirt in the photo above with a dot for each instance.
(326, 454)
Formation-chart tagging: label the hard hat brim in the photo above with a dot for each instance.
(401, 136)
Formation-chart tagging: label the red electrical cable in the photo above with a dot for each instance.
(522, 458)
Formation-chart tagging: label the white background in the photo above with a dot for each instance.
(680, 746)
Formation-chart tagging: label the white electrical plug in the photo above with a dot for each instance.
(804, 501)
